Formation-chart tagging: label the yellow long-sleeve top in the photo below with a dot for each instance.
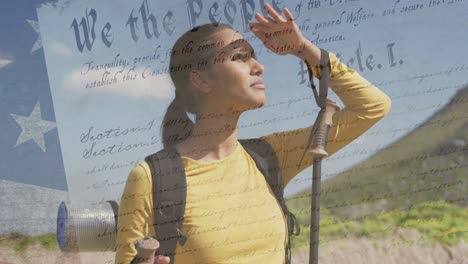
(231, 214)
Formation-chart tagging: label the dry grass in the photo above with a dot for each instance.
(36, 254)
(407, 247)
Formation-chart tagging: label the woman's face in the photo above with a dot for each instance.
(233, 75)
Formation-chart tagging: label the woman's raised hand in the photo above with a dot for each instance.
(280, 35)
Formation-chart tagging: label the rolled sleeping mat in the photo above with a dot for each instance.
(86, 229)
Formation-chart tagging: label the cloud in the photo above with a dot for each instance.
(60, 49)
(156, 86)
(4, 62)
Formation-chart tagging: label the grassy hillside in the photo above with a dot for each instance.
(436, 222)
(427, 165)
(419, 183)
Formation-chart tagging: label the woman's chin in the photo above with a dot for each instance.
(257, 105)
(261, 104)
(251, 105)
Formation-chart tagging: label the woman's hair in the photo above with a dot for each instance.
(186, 54)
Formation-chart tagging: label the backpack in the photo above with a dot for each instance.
(170, 193)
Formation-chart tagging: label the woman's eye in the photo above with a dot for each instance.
(241, 56)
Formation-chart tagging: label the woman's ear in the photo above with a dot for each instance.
(200, 82)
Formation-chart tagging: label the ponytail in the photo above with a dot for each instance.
(176, 125)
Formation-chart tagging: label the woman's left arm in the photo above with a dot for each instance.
(364, 103)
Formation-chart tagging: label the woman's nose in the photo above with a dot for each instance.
(257, 68)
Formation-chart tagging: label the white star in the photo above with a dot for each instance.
(4, 62)
(38, 44)
(33, 127)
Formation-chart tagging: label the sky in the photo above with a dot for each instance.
(46, 111)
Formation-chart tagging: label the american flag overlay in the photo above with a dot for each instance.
(29, 143)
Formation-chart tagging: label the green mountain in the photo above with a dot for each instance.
(428, 164)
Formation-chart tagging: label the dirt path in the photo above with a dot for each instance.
(343, 251)
(407, 246)
(37, 255)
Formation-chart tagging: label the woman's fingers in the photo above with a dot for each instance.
(288, 14)
(271, 20)
(273, 13)
(260, 30)
(259, 26)
(261, 19)
(162, 260)
(267, 20)
(278, 31)
(260, 34)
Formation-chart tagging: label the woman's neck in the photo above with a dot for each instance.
(211, 139)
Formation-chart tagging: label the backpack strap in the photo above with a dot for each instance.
(169, 198)
(267, 162)
(321, 95)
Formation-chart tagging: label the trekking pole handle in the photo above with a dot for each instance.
(146, 249)
(321, 127)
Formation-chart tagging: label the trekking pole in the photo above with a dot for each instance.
(318, 152)
(318, 139)
(146, 249)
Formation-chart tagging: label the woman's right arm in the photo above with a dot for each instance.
(364, 104)
(135, 213)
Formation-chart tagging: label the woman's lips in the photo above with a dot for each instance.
(258, 84)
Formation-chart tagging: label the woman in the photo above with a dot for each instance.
(231, 214)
